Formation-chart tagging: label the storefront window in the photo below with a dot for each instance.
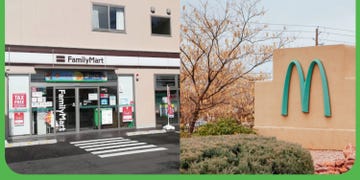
(62, 107)
(161, 104)
(108, 106)
(165, 80)
(42, 106)
(126, 101)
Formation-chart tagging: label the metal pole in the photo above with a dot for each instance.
(317, 36)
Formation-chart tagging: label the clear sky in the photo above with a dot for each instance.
(335, 18)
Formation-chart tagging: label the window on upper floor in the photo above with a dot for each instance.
(108, 18)
(160, 25)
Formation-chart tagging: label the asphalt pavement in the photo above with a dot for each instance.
(99, 153)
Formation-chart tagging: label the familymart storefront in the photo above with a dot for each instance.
(70, 93)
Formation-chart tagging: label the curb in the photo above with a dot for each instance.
(29, 143)
(145, 132)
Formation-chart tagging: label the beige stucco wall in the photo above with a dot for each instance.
(68, 23)
(145, 94)
(312, 130)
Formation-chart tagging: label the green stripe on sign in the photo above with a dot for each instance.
(18, 110)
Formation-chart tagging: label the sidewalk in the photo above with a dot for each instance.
(30, 142)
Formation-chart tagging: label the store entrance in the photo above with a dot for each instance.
(88, 105)
(76, 109)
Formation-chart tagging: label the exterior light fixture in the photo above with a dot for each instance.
(137, 77)
(168, 11)
(152, 9)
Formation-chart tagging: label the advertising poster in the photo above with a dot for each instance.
(19, 100)
(93, 96)
(41, 123)
(127, 114)
(112, 100)
(126, 91)
(36, 94)
(104, 101)
(19, 119)
(170, 111)
(106, 115)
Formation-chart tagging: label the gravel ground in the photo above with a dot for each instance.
(320, 156)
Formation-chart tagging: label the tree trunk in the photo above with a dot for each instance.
(194, 118)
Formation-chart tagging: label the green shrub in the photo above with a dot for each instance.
(243, 154)
(184, 134)
(223, 126)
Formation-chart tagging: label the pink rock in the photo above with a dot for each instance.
(329, 164)
(321, 170)
(343, 170)
(340, 162)
(349, 162)
(348, 167)
(349, 151)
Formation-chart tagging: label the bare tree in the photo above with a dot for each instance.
(220, 44)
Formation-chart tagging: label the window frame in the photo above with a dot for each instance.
(171, 88)
(176, 82)
(109, 21)
(163, 35)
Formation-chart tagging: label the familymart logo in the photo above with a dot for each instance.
(305, 85)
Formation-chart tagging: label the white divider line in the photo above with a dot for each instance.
(132, 152)
(118, 146)
(94, 140)
(107, 144)
(100, 142)
(123, 149)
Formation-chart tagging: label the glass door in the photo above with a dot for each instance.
(88, 104)
(65, 113)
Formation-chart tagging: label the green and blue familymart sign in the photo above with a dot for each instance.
(305, 85)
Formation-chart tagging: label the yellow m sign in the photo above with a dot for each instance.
(305, 85)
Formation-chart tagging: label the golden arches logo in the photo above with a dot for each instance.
(305, 85)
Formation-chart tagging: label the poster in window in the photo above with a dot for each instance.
(19, 100)
(112, 100)
(19, 119)
(124, 101)
(127, 114)
(104, 101)
(102, 95)
(126, 91)
(37, 94)
(92, 96)
(106, 115)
